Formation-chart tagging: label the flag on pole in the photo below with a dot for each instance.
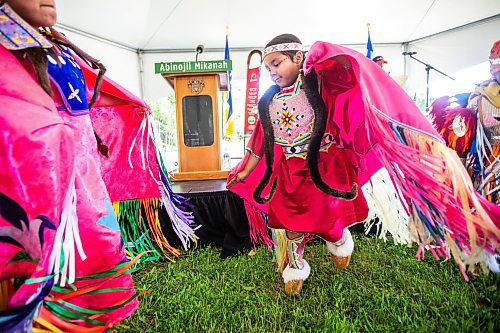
(369, 46)
(227, 97)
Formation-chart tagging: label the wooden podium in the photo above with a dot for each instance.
(197, 85)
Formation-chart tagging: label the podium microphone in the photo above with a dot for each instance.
(409, 53)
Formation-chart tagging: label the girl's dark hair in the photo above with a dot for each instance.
(38, 59)
(35, 55)
(285, 38)
(310, 86)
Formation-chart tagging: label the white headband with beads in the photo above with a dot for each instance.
(281, 48)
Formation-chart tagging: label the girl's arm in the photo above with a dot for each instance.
(243, 174)
(337, 76)
(344, 61)
(255, 150)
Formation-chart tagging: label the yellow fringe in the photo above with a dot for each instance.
(49, 327)
(151, 208)
(6, 292)
(116, 207)
(279, 238)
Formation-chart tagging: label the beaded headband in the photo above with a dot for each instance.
(281, 48)
(495, 61)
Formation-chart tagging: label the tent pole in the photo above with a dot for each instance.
(140, 57)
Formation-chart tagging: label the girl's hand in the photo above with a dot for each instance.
(240, 176)
(343, 61)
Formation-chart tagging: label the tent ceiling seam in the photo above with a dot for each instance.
(421, 20)
(161, 24)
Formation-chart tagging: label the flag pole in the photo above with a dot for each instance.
(228, 114)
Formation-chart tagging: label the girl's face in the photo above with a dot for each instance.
(38, 13)
(284, 71)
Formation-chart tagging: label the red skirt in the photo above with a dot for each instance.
(298, 205)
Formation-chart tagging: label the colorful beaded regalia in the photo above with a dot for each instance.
(63, 263)
(365, 115)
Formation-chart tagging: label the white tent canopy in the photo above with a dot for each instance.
(130, 36)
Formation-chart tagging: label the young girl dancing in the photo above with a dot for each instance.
(329, 123)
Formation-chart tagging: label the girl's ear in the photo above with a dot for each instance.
(298, 57)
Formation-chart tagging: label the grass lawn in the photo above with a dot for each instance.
(383, 290)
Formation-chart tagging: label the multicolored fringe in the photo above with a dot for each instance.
(135, 232)
(59, 314)
(176, 206)
(483, 162)
(52, 309)
(21, 319)
(446, 215)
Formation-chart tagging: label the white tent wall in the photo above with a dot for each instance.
(122, 65)
(451, 52)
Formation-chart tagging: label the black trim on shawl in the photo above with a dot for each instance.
(310, 85)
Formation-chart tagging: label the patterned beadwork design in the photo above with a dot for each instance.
(292, 117)
(16, 34)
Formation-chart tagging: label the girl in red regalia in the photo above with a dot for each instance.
(301, 200)
(329, 123)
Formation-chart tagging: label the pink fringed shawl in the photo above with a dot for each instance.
(385, 128)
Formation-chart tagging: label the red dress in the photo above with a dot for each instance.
(298, 205)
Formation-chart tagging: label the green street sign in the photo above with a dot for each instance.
(193, 67)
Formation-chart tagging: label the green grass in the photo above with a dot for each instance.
(383, 290)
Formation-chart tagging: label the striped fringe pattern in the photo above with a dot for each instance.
(446, 215)
(59, 314)
(141, 229)
(134, 229)
(177, 207)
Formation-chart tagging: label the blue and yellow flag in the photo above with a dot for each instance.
(228, 100)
